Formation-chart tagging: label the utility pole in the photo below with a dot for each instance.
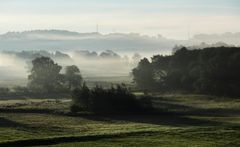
(97, 28)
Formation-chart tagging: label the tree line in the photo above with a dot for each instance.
(214, 70)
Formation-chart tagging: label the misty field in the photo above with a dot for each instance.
(181, 120)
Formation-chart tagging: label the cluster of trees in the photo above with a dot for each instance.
(114, 100)
(108, 54)
(208, 71)
(82, 54)
(30, 55)
(46, 77)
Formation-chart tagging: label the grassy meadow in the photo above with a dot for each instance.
(181, 120)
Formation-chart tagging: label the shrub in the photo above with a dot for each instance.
(114, 100)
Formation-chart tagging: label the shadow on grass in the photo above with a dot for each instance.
(156, 119)
(166, 106)
(168, 112)
(5, 123)
(171, 113)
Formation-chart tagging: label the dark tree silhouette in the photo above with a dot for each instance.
(143, 75)
(73, 78)
(45, 75)
(212, 70)
(114, 100)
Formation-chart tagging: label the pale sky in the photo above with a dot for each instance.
(170, 18)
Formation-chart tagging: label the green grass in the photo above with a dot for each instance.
(184, 120)
(178, 138)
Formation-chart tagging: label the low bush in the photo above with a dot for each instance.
(117, 99)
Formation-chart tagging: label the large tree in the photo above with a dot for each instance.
(143, 75)
(73, 78)
(45, 75)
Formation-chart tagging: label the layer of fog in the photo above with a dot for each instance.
(12, 67)
(17, 65)
(88, 50)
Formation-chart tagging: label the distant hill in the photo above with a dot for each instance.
(63, 40)
(66, 40)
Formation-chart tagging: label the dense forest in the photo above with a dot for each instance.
(212, 70)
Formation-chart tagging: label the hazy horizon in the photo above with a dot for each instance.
(173, 19)
(112, 33)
